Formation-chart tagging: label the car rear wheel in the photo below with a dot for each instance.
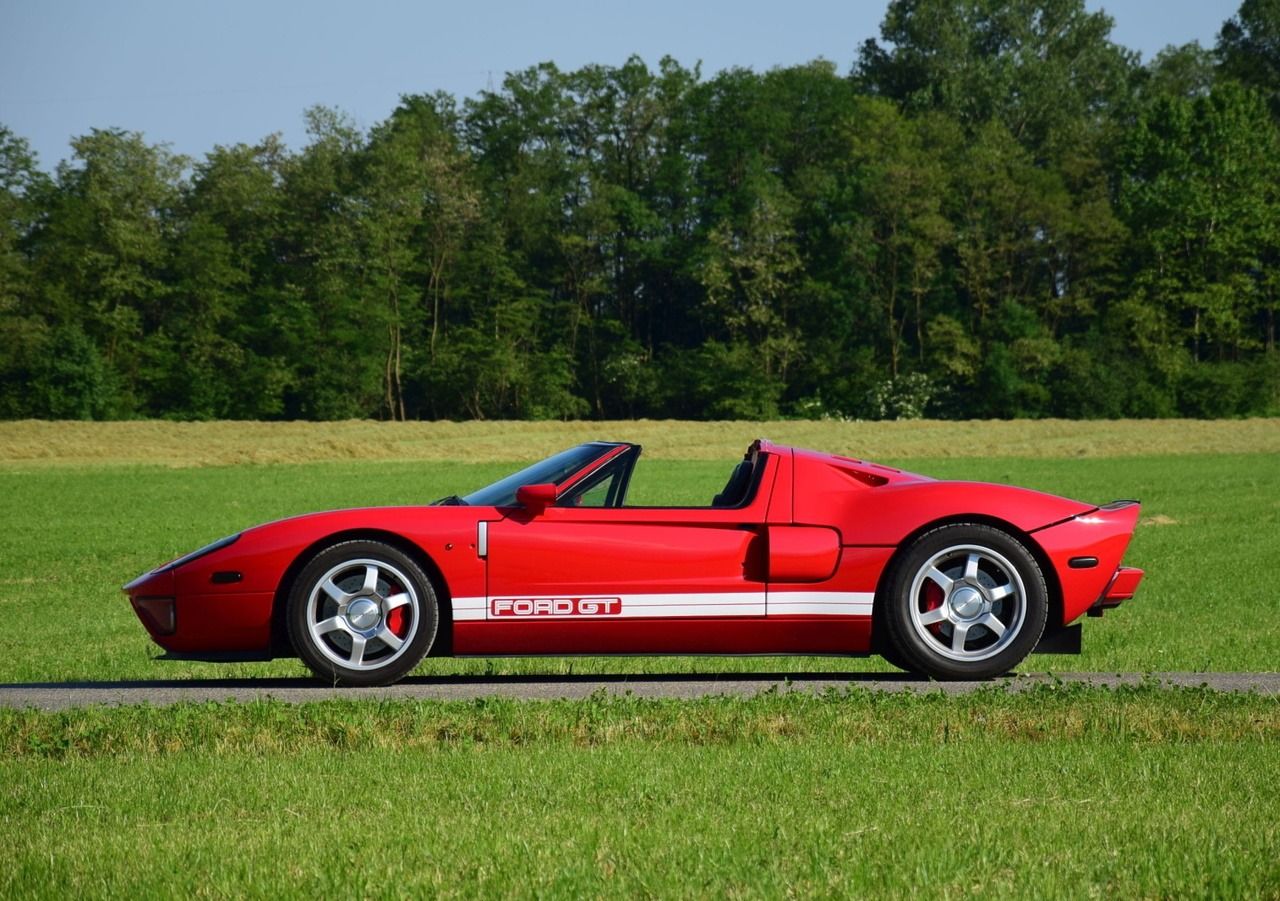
(362, 613)
(966, 601)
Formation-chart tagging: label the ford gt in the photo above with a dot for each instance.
(801, 553)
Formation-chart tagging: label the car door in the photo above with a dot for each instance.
(586, 579)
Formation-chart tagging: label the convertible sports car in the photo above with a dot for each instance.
(801, 553)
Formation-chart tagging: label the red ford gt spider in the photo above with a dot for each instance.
(801, 553)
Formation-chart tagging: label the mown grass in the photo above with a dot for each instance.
(1143, 714)
(1056, 793)
(185, 444)
(69, 537)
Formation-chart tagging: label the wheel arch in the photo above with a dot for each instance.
(1052, 584)
(442, 646)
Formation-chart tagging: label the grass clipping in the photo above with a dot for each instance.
(176, 444)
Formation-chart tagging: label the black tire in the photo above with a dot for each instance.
(891, 656)
(882, 645)
(965, 601)
(350, 606)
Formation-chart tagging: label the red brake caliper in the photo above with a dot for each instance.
(933, 597)
(397, 622)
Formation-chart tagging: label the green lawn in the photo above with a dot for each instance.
(69, 537)
(1061, 792)
(1056, 793)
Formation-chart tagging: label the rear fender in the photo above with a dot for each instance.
(1086, 551)
(1052, 583)
(889, 515)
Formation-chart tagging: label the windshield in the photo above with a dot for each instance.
(553, 469)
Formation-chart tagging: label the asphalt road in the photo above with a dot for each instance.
(59, 695)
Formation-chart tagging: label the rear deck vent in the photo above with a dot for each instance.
(866, 478)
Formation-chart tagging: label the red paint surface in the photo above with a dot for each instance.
(598, 553)
(1103, 534)
(1123, 586)
(744, 635)
(859, 570)
(803, 500)
(803, 553)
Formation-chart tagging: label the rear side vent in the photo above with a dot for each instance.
(870, 479)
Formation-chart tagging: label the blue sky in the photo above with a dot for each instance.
(195, 74)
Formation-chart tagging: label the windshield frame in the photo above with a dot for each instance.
(562, 470)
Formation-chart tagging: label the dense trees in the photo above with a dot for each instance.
(997, 212)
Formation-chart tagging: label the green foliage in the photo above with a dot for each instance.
(1249, 48)
(905, 397)
(721, 381)
(1200, 188)
(998, 202)
(1041, 68)
(70, 380)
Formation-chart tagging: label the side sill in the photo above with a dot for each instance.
(220, 656)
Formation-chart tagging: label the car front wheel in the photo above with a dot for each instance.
(362, 613)
(966, 601)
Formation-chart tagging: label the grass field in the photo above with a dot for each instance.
(1060, 792)
(232, 443)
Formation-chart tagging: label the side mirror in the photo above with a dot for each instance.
(536, 498)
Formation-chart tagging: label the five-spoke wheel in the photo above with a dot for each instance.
(362, 613)
(965, 601)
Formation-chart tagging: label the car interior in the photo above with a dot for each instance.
(735, 490)
(608, 487)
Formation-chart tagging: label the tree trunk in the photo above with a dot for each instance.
(1195, 336)
(395, 389)
(435, 287)
(399, 382)
(920, 324)
(388, 396)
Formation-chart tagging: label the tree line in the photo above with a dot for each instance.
(996, 212)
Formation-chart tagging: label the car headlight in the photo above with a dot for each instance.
(195, 555)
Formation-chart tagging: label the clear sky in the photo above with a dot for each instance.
(195, 74)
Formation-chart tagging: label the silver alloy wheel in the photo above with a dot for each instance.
(982, 606)
(349, 608)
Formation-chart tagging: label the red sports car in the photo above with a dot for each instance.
(801, 553)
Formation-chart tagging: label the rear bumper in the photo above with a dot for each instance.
(1122, 586)
(1086, 551)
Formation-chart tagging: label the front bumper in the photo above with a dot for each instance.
(184, 617)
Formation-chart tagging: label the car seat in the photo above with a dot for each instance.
(735, 490)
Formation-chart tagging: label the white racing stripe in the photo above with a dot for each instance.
(821, 603)
(698, 604)
(468, 609)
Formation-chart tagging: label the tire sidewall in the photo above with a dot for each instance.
(304, 643)
(907, 644)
